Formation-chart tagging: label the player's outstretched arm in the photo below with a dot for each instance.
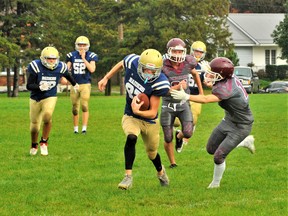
(103, 82)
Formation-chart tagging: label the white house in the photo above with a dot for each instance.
(251, 35)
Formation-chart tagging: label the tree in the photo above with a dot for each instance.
(257, 6)
(280, 35)
(152, 23)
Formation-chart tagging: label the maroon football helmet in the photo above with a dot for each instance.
(220, 68)
(174, 45)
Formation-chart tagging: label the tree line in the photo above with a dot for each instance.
(115, 28)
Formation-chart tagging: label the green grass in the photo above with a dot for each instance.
(81, 173)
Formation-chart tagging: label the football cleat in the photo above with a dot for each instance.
(179, 142)
(173, 166)
(213, 185)
(44, 148)
(126, 183)
(33, 151)
(248, 143)
(164, 180)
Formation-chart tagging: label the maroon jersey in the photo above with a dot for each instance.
(234, 100)
(177, 75)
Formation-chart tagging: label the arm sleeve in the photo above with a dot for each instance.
(69, 77)
(32, 82)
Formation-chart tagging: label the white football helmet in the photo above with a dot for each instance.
(201, 48)
(49, 53)
(150, 59)
(82, 40)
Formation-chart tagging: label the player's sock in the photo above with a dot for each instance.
(84, 127)
(76, 129)
(218, 173)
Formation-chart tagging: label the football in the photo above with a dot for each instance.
(145, 98)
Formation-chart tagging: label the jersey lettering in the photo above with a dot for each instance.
(240, 86)
(131, 90)
(79, 67)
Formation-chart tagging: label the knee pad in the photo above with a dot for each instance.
(84, 108)
(168, 134)
(152, 154)
(47, 117)
(219, 156)
(74, 110)
(187, 129)
(131, 140)
(34, 127)
(187, 134)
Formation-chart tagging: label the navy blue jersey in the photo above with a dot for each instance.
(43, 74)
(192, 84)
(79, 71)
(135, 85)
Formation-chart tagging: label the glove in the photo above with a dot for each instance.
(180, 95)
(76, 88)
(44, 86)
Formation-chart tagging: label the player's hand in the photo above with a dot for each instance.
(82, 53)
(102, 84)
(76, 88)
(136, 104)
(180, 95)
(205, 67)
(183, 84)
(44, 86)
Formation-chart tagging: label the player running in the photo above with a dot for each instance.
(235, 127)
(82, 64)
(142, 75)
(44, 75)
(177, 67)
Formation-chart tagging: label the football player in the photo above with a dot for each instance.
(177, 67)
(142, 75)
(235, 127)
(44, 75)
(82, 64)
(198, 50)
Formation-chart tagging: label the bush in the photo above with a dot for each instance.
(262, 74)
(282, 71)
(271, 71)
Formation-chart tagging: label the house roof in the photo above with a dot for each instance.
(253, 29)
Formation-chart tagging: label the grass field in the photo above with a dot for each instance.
(81, 173)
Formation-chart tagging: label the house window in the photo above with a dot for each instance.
(273, 56)
(270, 57)
(267, 57)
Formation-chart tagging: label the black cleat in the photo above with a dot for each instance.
(179, 142)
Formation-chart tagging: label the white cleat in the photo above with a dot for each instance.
(33, 151)
(249, 143)
(213, 185)
(44, 149)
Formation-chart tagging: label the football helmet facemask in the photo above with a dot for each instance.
(150, 59)
(220, 68)
(200, 47)
(173, 45)
(49, 53)
(82, 40)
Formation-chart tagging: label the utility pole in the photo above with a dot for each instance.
(120, 39)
